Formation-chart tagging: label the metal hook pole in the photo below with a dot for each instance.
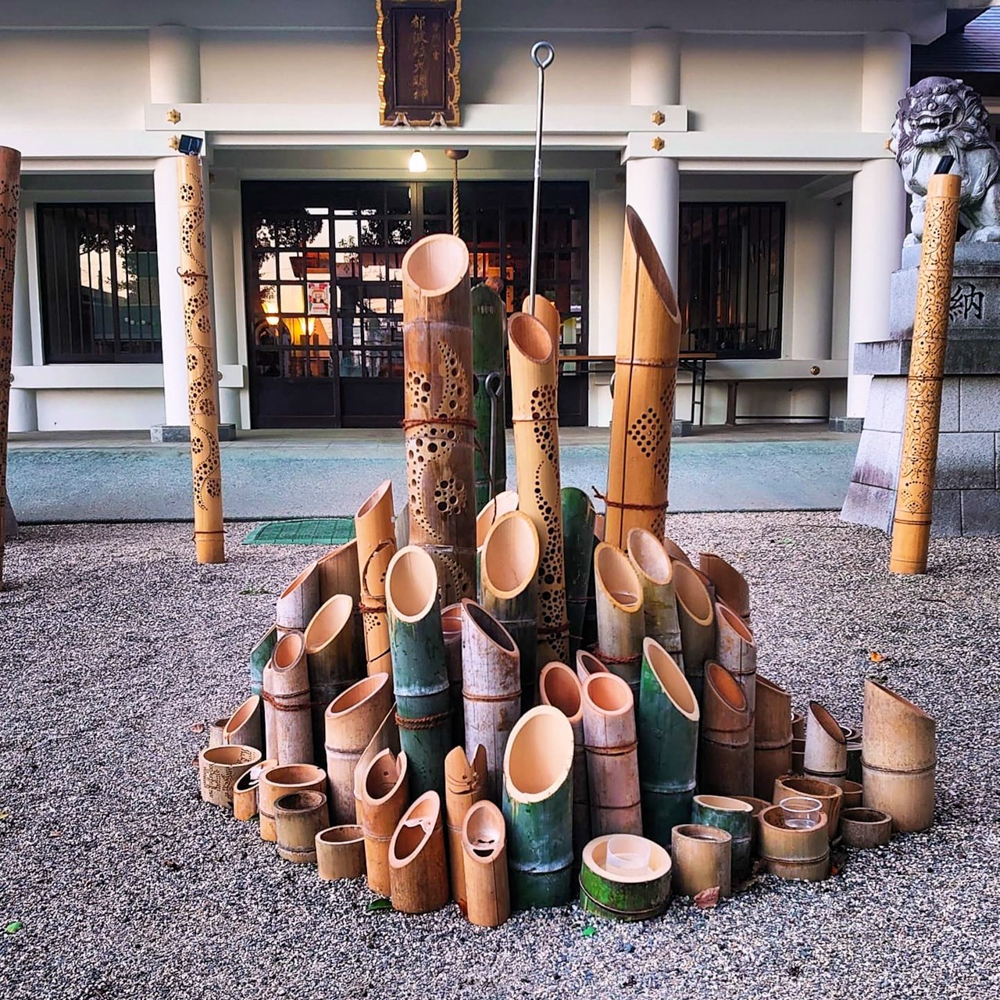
(542, 54)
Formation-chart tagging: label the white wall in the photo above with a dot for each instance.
(99, 409)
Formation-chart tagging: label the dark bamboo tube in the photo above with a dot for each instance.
(489, 357)
(451, 630)
(725, 750)
(578, 555)
(10, 195)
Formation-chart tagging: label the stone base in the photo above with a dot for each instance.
(682, 429)
(181, 434)
(847, 425)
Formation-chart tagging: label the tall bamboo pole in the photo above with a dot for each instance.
(10, 194)
(911, 523)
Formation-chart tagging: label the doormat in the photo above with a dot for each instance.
(309, 531)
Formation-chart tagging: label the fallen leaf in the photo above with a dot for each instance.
(195, 762)
(707, 898)
(174, 866)
(589, 931)
(198, 727)
(875, 656)
(13, 927)
(4, 815)
(56, 833)
(379, 904)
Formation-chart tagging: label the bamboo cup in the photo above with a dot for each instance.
(737, 652)
(220, 767)
(386, 738)
(244, 726)
(489, 359)
(911, 522)
(384, 795)
(420, 666)
(202, 372)
(729, 585)
(612, 755)
(617, 894)
(899, 758)
(655, 572)
(298, 817)
(439, 423)
(350, 722)
(484, 859)
(508, 572)
(620, 620)
(464, 786)
(10, 193)
(337, 573)
(245, 790)
(376, 545)
(538, 808)
(772, 736)
(831, 797)
(736, 818)
(794, 853)
(451, 631)
(826, 748)
(645, 382)
(492, 511)
(587, 664)
(283, 780)
(340, 853)
(702, 859)
(725, 749)
(578, 556)
(865, 828)
(696, 617)
(287, 702)
(667, 720)
(260, 656)
(536, 450)
(491, 689)
(298, 602)
(418, 875)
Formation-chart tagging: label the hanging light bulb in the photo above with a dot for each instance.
(418, 163)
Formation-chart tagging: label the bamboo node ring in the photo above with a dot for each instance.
(613, 751)
(628, 506)
(608, 658)
(420, 421)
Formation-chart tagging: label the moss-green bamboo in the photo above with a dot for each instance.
(578, 550)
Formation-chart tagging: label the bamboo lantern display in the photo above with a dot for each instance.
(338, 573)
(202, 369)
(621, 623)
(384, 797)
(645, 381)
(439, 425)
(696, 616)
(278, 781)
(340, 853)
(612, 890)
(376, 545)
(655, 571)
(420, 666)
(667, 720)
(464, 786)
(911, 522)
(451, 631)
(386, 738)
(484, 858)
(489, 367)
(826, 748)
(245, 790)
(245, 725)
(865, 828)
(587, 664)
(612, 755)
(260, 656)
(349, 723)
(794, 853)
(831, 797)
(10, 194)
(725, 748)
(561, 688)
(491, 689)
(728, 583)
(220, 767)
(772, 736)
(287, 702)
(538, 808)
(736, 818)
(737, 652)
(418, 874)
(298, 602)
(508, 574)
(854, 793)
(702, 859)
(298, 817)
(491, 512)
(899, 758)
(217, 733)
(578, 557)
(534, 386)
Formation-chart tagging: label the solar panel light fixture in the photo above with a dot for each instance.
(190, 145)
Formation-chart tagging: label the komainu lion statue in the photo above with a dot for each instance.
(937, 117)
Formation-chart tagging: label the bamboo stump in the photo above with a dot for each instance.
(384, 795)
(826, 747)
(629, 897)
(418, 875)
(725, 750)
(10, 196)
(464, 786)
(489, 367)
(655, 572)
(340, 853)
(772, 736)
(621, 624)
(298, 817)
(245, 726)
(219, 768)
(288, 702)
(578, 554)
(696, 617)
(737, 652)
(735, 817)
(702, 859)
(278, 781)
(376, 545)
(831, 797)
(337, 573)
(484, 858)
(794, 853)
(729, 585)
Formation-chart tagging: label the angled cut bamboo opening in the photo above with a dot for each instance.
(340, 852)
(464, 786)
(491, 512)
(245, 725)
(702, 858)
(278, 781)
(587, 664)
(298, 602)
(736, 650)
(245, 790)
(219, 768)
(418, 876)
(338, 573)
(826, 748)
(287, 702)
(298, 817)
(676, 553)
(656, 577)
(617, 895)
(620, 621)
(386, 737)
(831, 797)
(578, 517)
(545, 311)
(484, 859)
(794, 853)
(384, 795)
(725, 751)
(772, 746)
(696, 617)
(729, 585)
(376, 545)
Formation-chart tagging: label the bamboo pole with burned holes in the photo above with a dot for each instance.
(621, 623)
(384, 797)
(656, 577)
(489, 371)
(464, 786)
(418, 872)
(287, 702)
(578, 555)
(376, 545)
(484, 858)
(10, 195)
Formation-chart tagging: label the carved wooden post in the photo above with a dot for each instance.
(203, 406)
(10, 193)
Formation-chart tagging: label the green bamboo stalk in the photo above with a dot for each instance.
(578, 549)
(736, 818)
(608, 896)
(488, 321)
(656, 576)
(259, 657)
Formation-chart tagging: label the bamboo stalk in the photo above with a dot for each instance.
(464, 786)
(260, 656)
(620, 896)
(725, 748)
(418, 874)
(736, 650)
(298, 817)
(656, 578)
(589, 640)
(337, 573)
(729, 585)
(736, 818)
(578, 555)
(451, 631)
(376, 545)
(439, 424)
(826, 748)
(587, 664)
(772, 738)
(287, 702)
(488, 357)
(245, 726)
(621, 623)
(545, 311)
(702, 857)
(340, 852)
(278, 781)
(386, 738)
(384, 795)
(696, 617)
(298, 602)
(220, 767)
(10, 194)
(484, 858)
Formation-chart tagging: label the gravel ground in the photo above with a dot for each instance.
(125, 885)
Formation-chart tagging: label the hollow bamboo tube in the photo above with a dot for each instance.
(621, 623)
(260, 656)
(645, 381)
(245, 790)
(702, 859)
(298, 602)
(491, 688)
(340, 852)
(794, 853)
(560, 687)
(220, 767)
(545, 311)
(244, 726)
(667, 720)
(737, 652)
(420, 666)
(451, 631)
(508, 574)
(418, 875)
(865, 828)
(439, 424)
(736, 818)
(384, 796)
(911, 522)
(538, 808)
(534, 388)
(618, 896)
(772, 736)
(578, 556)
(655, 572)
(489, 356)
(799, 726)
(287, 708)
(899, 757)
(855, 750)
(386, 738)
(696, 617)
(464, 786)
(492, 511)
(202, 371)
(484, 858)
(350, 721)
(278, 781)
(826, 748)
(337, 573)
(217, 733)
(798, 756)
(854, 794)
(728, 583)
(10, 193)
(676, 553)
(831, 797)
(725, 749)
(587, 664)
(298, 817)
(376, 545)
(612, 755)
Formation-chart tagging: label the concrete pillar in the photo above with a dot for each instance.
(23, 408)
(174, 65)
(606, 268)
(224, 228)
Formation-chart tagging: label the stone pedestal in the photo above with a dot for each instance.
(967, 497)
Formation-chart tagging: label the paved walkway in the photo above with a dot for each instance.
(270, 474)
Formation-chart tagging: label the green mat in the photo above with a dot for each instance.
(310, 531)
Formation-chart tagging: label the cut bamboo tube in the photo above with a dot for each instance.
(508, 573)
(826, 748)
(376, 545)
(439, 424)
(491, 689)
(483, 844)
(772, 736)
(403, 527)
(244, 725)
(799, 726)
(736, 818)
(618, 896)
(384, 796)
(278, 781)
(696, 616)
(676, 553)
(260, 656)
(545, 311)
(386, 738)
(534, 388)
(489, 357)
(538, 808)
(202, 368)
(418, 875)
(217, 733)
(737, 652)
(621, 623)
(245, 790)
(911, 522)
(855, 750)
(491, 512)
(798, 756)
(794, 853)
(451, 631)
(420, 666)
(287, 702)
(854, 794)
(656, 577)
(865, 828)
(729, 585)
(831, 797)
(578, 555)
(338, 573)
(667, 721)
(587, 664)
(561, 688)
(725, 749)
(645, 382)
(298, 602)
(702, 858)
(612, 755)
(350, 722)
(298, 817)
(220, 767)
(464, 786)
(10, 193)
(757, 806)
(340, 853)
(899, 758)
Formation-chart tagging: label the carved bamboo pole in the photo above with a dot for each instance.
(10, 194)
(578, 553)
(489, 367)
(464, 786)
(418, 872)
(376, 546)
(484, 856)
